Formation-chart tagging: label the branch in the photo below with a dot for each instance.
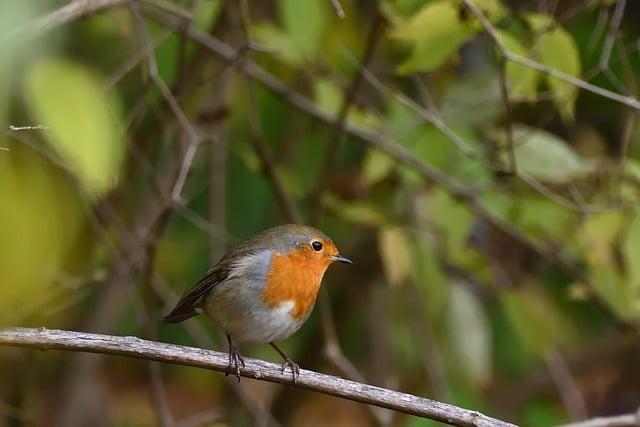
(629, 101)
(70, 12)
(45, 339)
(627, 420)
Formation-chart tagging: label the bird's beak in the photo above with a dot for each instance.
(340, 258)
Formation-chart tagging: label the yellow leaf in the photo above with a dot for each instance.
(82, 121)
(436, 32)
(396, 256)
(557, 50)
(522, 81)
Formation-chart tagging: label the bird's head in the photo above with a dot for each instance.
(309, 243)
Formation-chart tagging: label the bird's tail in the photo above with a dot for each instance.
(181, 313)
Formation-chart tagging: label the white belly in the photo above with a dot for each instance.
(237, 308)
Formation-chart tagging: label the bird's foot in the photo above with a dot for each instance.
(293, 366)
(235, 360)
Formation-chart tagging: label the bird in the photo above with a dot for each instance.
(263, 289)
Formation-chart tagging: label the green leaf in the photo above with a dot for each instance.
(543, 155)
(631, 251)
(557, 49)
(329, 97)
(522, 81)
(376, 166)
(469, 332)
(41, 220)
(598, 239)
(206, 13)
(83, 122)
(283, 44)
(544, 218)
(355, 212)
(539, 22)
(436, 32)
(539, 324)
(454, 221)
(598, 235)
(428, 274)
(492, 9)
(305, 22)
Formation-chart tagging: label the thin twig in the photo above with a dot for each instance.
(567, 388)
(504, 93)
(629, 101)
(44, 339)
(338, 8)
(70, 12)
(627, 420)
(614, 25)
(194, 139)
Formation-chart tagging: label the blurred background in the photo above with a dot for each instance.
(479, 161)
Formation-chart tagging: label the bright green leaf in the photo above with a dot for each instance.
(305, 22)
(598, 235)
(83, 122)
(329, 97)
(631, 250)
(522, 81)
(40, 220)
(536, 320)
(557, 50)
(544, 218)
(376, 166)
(469, 331)
(543, 155)
(436, 32)
(205, 13)
(454, 221)
(492, 9)
(285, 47)
(598, 238)
(538, 22)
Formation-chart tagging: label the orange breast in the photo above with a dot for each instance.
(294, 277)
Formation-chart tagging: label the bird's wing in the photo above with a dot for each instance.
(188, 306)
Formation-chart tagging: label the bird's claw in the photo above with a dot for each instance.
(235, 360)
(293, 366)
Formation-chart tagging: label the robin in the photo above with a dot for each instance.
(263, 289)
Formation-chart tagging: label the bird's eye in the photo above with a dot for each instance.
(317, 246)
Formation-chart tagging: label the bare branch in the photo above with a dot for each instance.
(70, 12)
(627, 420)
(44, 339)
(611, 36)
(338, 8)
(565, 383)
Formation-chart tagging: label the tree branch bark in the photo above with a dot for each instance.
(45, 339)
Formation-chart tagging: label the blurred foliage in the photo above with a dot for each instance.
(441, 301)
